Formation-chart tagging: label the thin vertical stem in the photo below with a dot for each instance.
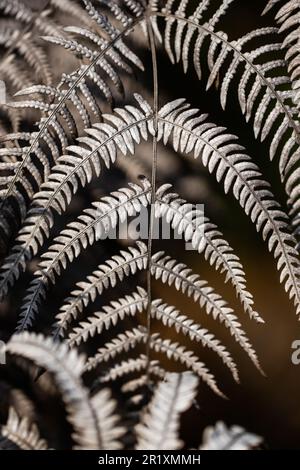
(153, 189)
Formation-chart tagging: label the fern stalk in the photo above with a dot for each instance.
(153, 189)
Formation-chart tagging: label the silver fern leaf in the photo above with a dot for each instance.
(93, 418)
(90, 226)
(288, 18)
(119, 132)
(22, 433)
(107, 275)
(269, 79)
(188, 133)
(130, 305)
(134, 365)
(220, 437)
(159, 425)
(43, 168)
(73, 90)
(131, 338)
(227, 160)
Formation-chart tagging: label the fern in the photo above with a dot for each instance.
(25, 436)
(221, 156)
(159, 426)
(93, 424)
(137, 302)
(131, 338)
(25, 60)
(288, 19)
(73, 89)
(268, 79)
(71, 135)
(131, 366)
(222, 438)
(93, 224)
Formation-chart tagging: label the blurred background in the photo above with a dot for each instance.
(268, 406)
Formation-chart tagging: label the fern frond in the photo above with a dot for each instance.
(22, 12)
(220, 437)
(197, 229)
(15, 75)
(56, 143)
(131, 338)
(110, 315)
(35, 57)
(89, 227)
(133, 385)
(71, 89)
(159, 426)
(170, 316)
(137, 302)
(107, 419)
(122, 343)
(25, 60)
(106, 275)
(113, 32)
(187, 358)
(231, 166)
(119, 132)
(83, 413)
(170, 272)
(268, 79)
(131, 366)
(25, 435)
(288, 19)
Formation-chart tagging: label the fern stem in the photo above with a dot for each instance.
(153, 190)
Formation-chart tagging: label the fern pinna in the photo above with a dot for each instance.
(96, 420)
(79, 134)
